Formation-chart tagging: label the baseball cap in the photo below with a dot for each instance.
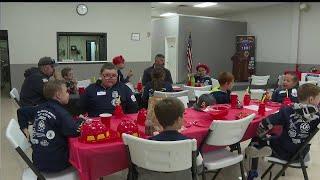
(207, 99)
(47, 61)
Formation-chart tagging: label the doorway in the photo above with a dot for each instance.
(5, 62)
(91, 50)
(171, 56)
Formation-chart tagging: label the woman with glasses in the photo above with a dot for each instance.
(101, 96)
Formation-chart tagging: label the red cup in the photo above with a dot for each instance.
(234, 100)
(287, 101)
(246, 100)
(82, 90)
(105, 119)
(262, 109)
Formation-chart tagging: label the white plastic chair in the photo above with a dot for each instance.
(184, 100)
(21, 145)
(191, 89)
(14, 94)
(314, 79)
(171, 94)
(84, 83)
(198, 93)
(225, 133)
(305, 82)
(258, 81)
(215, 82)
(161, 156)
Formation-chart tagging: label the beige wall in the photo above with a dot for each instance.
(32, 28)
(276, 29)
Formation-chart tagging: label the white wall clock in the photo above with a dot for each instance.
(82, 9)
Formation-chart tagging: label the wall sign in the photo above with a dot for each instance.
(135, 36)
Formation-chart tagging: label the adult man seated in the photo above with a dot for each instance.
(32, 88)
(158, 61)
(101, 96)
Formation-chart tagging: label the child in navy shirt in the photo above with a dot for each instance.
(297, 121)
(222, 92)
(202, 77)
(169, 113)
(156, 84)
(52, 125)
(290, 84)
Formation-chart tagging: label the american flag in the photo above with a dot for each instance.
(189, 54)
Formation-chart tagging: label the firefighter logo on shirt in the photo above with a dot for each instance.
(115, 94)
(133, 98)
(292, 133)
(41, 125)
(304, 127)
(50, 134)
(44, 143)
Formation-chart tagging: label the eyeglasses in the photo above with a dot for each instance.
(110, 76)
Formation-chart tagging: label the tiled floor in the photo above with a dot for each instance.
(12, 165)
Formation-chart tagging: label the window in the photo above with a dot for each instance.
(79, 47)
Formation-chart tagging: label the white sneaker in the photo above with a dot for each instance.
(253, 152)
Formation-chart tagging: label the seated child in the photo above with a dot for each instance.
(202, 77)
(298, 122)
(203, 101)
(222, 92)
(71, 83)
(157, 83)
(52, 125)
(169, 113)
(290, 83)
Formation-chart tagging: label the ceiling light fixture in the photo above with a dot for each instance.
(166, 2)
(206, 4)
(168, 14)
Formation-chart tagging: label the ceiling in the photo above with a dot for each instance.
(222, 8)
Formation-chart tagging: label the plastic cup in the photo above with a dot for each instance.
(105, 119)
(234, 100)
(262, 109)
(82, 90)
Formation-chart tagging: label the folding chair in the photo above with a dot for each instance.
(305, 82)
(191, 89)
(16, 96)
(21, 145)
(302, 164)
(198, 93)
(168, 157)
(224, 133)
(182, 95)
(215, 82)
(258, 81)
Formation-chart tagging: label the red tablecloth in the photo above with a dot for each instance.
(95, 160)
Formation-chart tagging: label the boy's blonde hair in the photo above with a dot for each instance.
(308, 90)
(52, 87)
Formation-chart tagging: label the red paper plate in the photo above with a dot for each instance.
(218, 111)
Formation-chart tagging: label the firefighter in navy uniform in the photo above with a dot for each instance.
(101, 96)
(52, 125)
(32, 88)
